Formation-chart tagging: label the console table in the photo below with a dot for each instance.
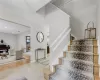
(36, 53)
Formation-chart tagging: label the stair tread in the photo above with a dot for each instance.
(81, 52)
(72, 59)
(63, 75)
(86, 40)
(89, 53)
(83, 45)
(75, 70)
(96, 78)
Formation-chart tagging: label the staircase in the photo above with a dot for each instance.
(80, 62)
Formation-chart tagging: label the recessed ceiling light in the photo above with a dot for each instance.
(5, 27)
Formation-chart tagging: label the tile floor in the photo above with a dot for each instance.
(32, 71)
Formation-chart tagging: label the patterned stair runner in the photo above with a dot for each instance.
(78, 64)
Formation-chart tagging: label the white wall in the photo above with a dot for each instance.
(81, 12)
(21, 40)
(58, 21)
(9, 39)
(80, 21)
(26, 17)
(34, 43)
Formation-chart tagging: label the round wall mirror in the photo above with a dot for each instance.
(40, 37)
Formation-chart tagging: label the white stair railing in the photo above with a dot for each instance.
(57, 39)
(58, 46)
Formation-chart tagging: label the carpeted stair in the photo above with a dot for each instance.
(79, 63)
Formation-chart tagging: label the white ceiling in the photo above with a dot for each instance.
(25, 5)
(9, 27)
(74, 7)
(20, 11)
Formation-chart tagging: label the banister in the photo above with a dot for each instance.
(57, 39)
(57, 49)
(61, 39)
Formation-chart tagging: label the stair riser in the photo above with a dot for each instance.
(77, 76)
(60, 59)
(96, 59)
(84, 42)
(80, 56)
(64, 54)
(95, 49)
(79, 66)
(82, 66)
(96, 70)
(46, 76)
(95, 43)
(76, 56)
(95, 78)
(81, 48)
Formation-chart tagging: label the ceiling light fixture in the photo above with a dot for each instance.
(5, 27)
